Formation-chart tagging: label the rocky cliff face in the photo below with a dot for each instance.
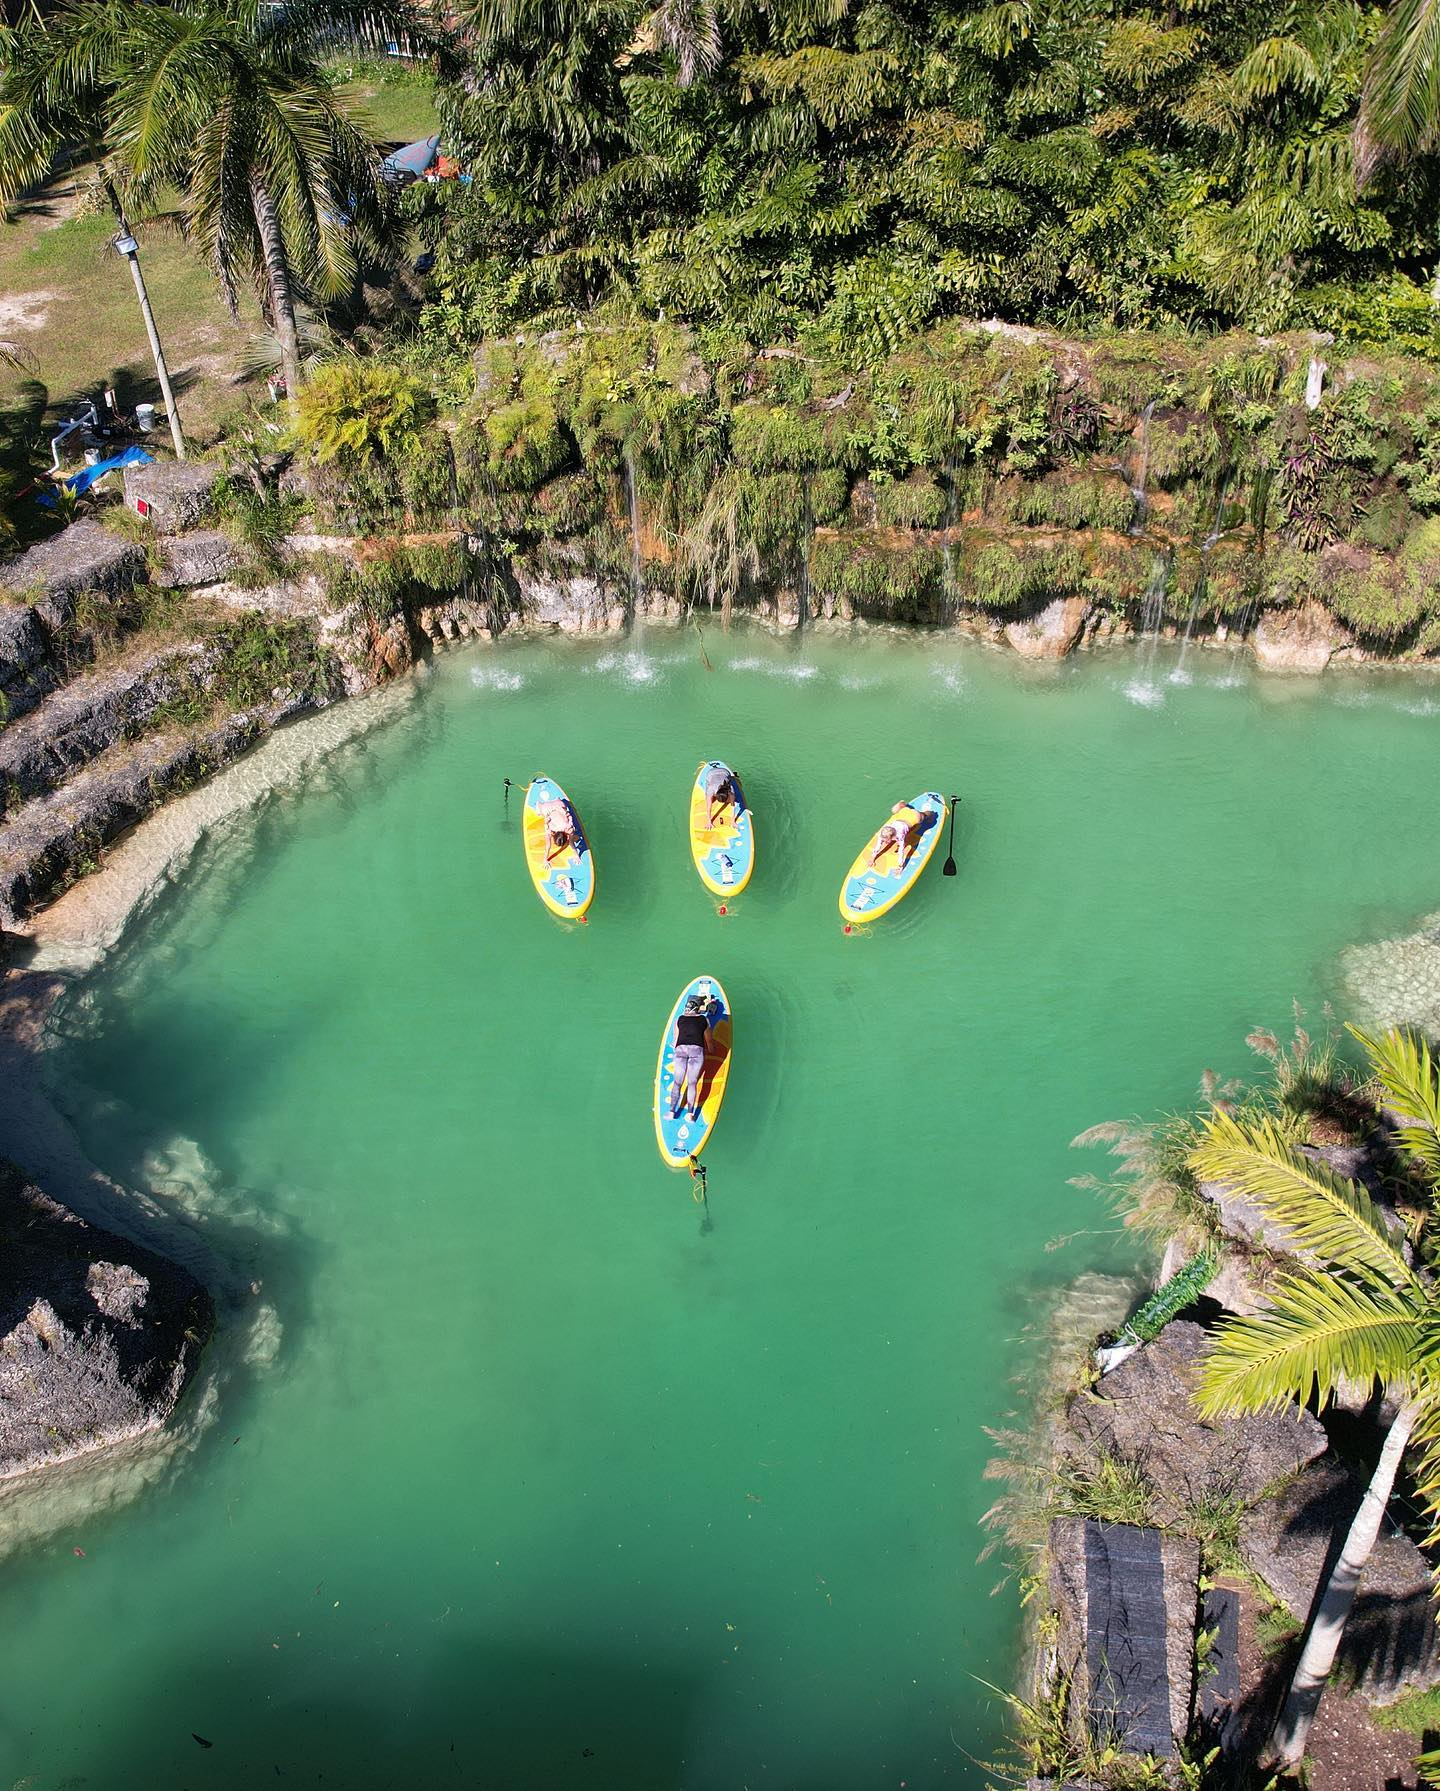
(97, 1337)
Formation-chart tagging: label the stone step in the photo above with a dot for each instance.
(74, 725)
(56, 838)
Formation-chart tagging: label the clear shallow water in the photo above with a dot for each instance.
(549, 1482)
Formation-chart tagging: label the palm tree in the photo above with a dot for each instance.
(280, 187)
(229, 102)
(1353, 1309)
(1400, 102)
(44, 106)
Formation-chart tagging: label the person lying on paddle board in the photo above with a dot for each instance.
(902, 831)
(561, 827)
(720, 787)
(691, 1026)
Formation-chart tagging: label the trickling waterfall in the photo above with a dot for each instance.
(802, 583)
(1217, 529)
(637, 583)
(1143, 688)
(1244, 622)
(1153, 612)
(1137, 484)
(947, 557)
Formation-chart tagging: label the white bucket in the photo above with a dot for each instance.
(144, 418)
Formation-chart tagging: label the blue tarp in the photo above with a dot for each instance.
(86, 477)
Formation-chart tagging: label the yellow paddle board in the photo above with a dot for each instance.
(566, 881)
(725, 853)
(870, 890)
(680, 1137)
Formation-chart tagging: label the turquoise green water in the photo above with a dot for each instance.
(551, 1482)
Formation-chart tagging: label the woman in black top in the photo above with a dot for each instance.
(689, 1050)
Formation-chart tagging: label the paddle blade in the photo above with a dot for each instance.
(948, 869)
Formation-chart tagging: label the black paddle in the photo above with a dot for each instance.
(948, 868)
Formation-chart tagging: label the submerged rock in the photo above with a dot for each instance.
(97, 1336)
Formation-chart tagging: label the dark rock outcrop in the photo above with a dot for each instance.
(1081, 1608)
(97, 1337)
(25, 670)
(1143, 1411)
(1391, 1642)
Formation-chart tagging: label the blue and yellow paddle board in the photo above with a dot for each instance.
(725, 853)
(872, 890)
(565, 883)
(683, 1138)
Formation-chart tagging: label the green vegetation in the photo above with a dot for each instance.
(1167, 1302)
(1417, 1713)
(1363, 1314)
(852, 173)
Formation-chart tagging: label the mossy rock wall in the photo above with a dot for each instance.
(1186, 481)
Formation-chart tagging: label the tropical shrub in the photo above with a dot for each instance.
(354, 411)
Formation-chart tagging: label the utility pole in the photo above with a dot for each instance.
(130, 249)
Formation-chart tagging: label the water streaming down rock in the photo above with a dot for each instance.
(802, 583)
(1137, 484)
(1143, 688)
(947, 558)
(1180, 675)
(637, 581)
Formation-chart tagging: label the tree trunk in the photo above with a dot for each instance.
(157, 352)
(277, 279)
(1327, 1625)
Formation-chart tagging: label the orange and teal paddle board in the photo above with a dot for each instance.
(725, 853)
(681, 1139)
(566, 882)
(872, 890)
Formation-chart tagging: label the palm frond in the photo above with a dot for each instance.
(1317, 1334)
(1410, 1078)
(1324, 1212)
(1400, 102)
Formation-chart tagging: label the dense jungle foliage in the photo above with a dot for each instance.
(859, 170)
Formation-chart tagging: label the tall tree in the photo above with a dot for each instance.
(230, 102)
(1400, 103)
(45, 106)
(1364, 1314)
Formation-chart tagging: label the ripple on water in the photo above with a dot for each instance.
(798, 671)
(1145, 692)
(495, 677)
(628, 666)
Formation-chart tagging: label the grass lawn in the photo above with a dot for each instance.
(71, 307)
(394, 103)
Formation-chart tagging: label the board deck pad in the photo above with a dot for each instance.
(682, 1138)
(725, 853)
(566, 884)
(869, 892)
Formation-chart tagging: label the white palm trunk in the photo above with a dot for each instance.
(1322, 1643)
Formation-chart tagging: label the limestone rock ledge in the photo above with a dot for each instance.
(97, 1337)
